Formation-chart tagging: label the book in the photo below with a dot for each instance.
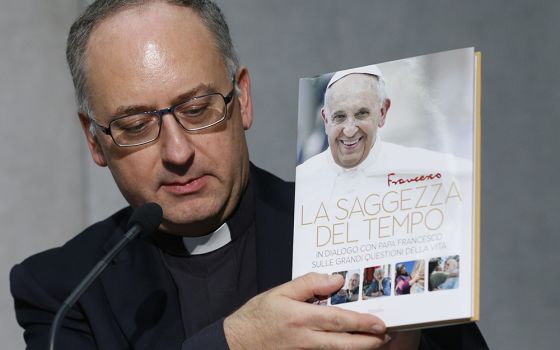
(388, 187)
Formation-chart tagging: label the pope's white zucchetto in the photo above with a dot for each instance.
(371, 70)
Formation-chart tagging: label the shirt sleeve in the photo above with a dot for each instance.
(35, 310)
(210, 337)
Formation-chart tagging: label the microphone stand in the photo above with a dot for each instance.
(134, 231)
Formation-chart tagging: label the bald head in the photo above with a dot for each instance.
(100, 10)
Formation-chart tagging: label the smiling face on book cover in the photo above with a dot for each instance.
(352, 113)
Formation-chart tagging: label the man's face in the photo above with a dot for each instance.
(354, 281)
(352, 114)
(149, 58)
(450, 265)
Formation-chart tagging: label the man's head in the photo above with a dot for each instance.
(451, 265)
(378, 274)
(130, 57)
(355, 107)
(354, 281)
(100, 10)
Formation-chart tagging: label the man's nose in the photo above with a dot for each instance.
(350, 129)
(176, 146)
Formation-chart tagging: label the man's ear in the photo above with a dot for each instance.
(93, 144)
(325, 120)
(244, 97)
(384, 110)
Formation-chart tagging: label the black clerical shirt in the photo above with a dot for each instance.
(211, 286)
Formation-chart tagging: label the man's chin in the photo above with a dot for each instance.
(191, 223)
(350, 160)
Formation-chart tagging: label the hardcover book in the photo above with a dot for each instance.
(388, 187)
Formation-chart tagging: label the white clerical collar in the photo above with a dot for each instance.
(208, 243)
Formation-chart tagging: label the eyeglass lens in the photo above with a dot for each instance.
(195, 114)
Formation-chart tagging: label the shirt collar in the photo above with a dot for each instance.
(235, 226)
(208, 243)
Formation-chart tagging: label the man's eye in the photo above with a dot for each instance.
(193, 111)
(135, 126)
(337, 119)
(362, 115)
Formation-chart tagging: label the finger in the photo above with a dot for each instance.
(327, 341)
(310, 285)
(335, 319)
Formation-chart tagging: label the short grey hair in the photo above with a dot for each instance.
(381, 91)
(378, 83)
(99, 10)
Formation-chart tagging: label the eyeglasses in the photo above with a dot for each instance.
(193, 115)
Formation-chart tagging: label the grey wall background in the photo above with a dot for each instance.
(49, 189)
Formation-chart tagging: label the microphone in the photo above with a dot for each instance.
(144, 220)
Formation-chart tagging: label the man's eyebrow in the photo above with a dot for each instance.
(362, 110)
(201, 89)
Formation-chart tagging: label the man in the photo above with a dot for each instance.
(380, 286)
(341, 296)
(355, 108)
(164, 105)
(354, 290)
(451, 268)
(349, 293)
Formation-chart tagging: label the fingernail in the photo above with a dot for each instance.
(387, 339)
(377, 329)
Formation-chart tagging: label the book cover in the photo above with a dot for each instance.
(387, 187)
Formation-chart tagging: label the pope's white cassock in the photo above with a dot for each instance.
(396, 191)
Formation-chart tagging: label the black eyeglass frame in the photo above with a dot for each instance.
(170, 110)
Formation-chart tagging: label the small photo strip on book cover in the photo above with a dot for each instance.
(350, 291)
(410, 277)
(444, 273)
(377, 282)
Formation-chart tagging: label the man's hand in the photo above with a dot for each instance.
(280, 319)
